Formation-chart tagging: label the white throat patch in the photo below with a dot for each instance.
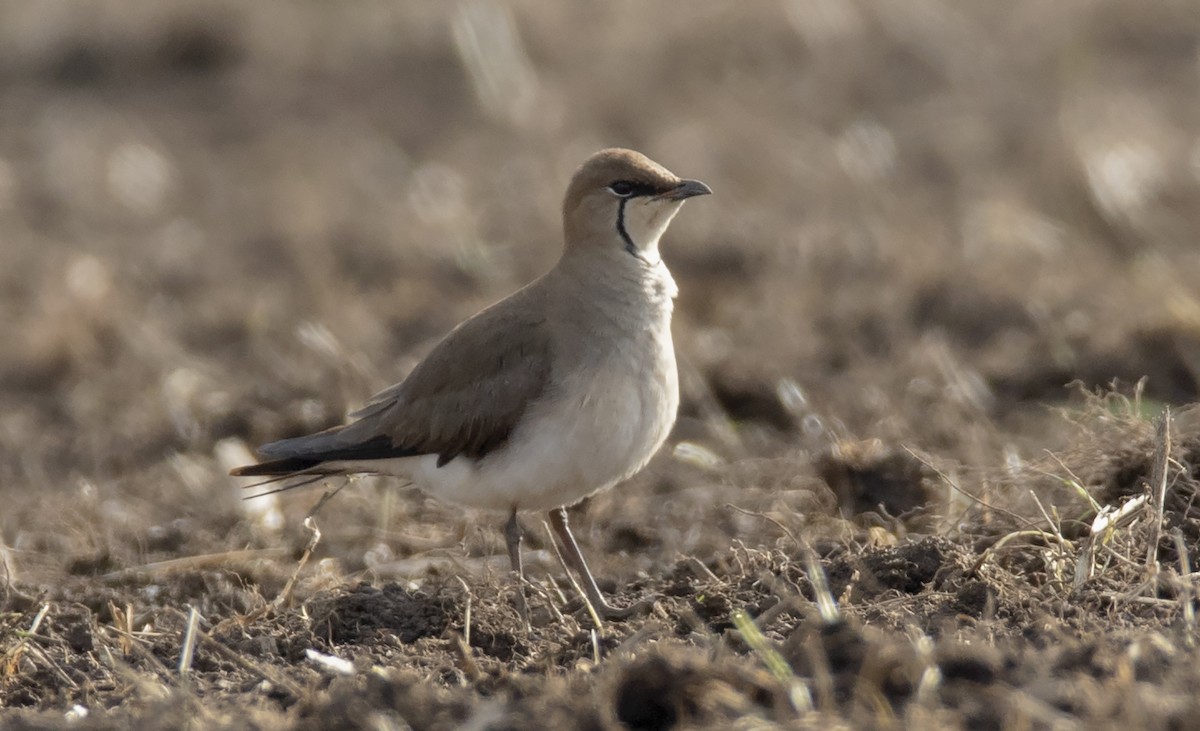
(641, 222)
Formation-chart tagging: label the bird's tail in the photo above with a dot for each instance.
(276, 467)
(305, 455)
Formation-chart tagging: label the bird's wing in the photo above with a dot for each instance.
(465, 398)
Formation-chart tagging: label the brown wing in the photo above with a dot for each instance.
(465, 398)
(468, 395)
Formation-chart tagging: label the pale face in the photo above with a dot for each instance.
(642, 221)
(644, 210)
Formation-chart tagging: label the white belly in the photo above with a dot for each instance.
(567, 447)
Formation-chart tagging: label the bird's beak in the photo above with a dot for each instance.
(686, 189)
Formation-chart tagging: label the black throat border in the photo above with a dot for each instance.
(629, 245)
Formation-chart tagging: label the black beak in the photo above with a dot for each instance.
(686, 189)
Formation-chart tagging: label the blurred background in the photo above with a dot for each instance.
(228, 222)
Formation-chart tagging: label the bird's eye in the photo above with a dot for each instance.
(622, 188)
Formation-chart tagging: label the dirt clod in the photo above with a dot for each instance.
(361, 613)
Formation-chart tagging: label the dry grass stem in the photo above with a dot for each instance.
(187, 649)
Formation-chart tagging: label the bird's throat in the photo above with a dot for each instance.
(640, 226)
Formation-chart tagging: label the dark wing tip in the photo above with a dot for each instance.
(276, 467)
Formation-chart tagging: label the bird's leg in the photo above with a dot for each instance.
(573, 556)
(512, 537)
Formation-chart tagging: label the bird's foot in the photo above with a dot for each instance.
(605, 611)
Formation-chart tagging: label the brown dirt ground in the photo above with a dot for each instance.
(949, 240)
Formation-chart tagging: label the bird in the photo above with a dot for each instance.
(565, 388)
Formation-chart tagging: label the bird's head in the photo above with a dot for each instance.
(623, 200)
